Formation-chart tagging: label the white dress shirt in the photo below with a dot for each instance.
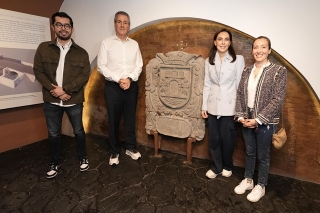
(252, 84)
(117, 59)
(59, 73)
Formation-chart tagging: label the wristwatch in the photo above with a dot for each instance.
(130, 79)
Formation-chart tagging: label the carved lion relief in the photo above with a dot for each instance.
(174, 84)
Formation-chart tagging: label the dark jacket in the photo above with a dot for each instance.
(270, 94)
(76, 71)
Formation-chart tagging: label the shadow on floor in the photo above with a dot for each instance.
(147, 185)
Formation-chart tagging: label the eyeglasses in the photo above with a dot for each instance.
(59, 25)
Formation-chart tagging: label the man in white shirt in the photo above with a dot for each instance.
(120, 62)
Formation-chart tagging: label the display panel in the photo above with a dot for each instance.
(20, 36)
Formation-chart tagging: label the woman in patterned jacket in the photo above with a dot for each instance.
(260, 97)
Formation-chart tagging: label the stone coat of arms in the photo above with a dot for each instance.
(174, 84)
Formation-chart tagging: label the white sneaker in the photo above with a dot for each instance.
(246, 184)
(226, 173)
(210, 174)
(114, 159)
(134, 154)
(257, 193)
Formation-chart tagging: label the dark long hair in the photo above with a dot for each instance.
(214, 49)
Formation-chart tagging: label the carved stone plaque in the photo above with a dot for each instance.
(174, 87)
(175, 127)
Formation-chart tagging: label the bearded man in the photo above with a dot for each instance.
(62, 67)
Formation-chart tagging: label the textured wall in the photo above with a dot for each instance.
(300, 156)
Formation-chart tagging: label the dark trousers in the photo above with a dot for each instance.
(121, 102)
(53, 114)
(222, 139)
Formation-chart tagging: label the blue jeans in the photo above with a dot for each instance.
(53, 114)
(258, 144)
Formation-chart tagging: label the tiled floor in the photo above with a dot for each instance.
(147, 185)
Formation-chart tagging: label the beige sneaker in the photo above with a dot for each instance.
(210, 174)
(134, 154)
(246, 184)
(257, 193)
(226, 173)
(114, 159)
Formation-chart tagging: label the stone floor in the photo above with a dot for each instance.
(147, 185)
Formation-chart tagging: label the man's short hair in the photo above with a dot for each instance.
(121, 13)
(63, 15)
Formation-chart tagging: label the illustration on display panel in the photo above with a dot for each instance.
(20, 36)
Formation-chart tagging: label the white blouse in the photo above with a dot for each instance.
(252, 84)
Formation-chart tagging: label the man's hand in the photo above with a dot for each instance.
(65, 97)
(204, 114)
(57, 91)
(124, 83)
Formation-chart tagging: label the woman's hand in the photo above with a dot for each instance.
(242, 120)
(249, 123)
(204, 114)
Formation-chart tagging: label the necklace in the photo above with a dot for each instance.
(256, 73)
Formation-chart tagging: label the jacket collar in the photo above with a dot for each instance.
(227, 56)
(263, 66)
(54, 42)
(267, 66)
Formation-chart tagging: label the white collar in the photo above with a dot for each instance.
(68, 45)
(117, 38)
(263, 66)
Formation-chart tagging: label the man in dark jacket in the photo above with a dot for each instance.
(63, 68)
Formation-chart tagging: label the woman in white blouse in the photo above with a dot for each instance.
(223, 71)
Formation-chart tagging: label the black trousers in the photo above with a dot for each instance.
(222, 139)
(121, 102)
